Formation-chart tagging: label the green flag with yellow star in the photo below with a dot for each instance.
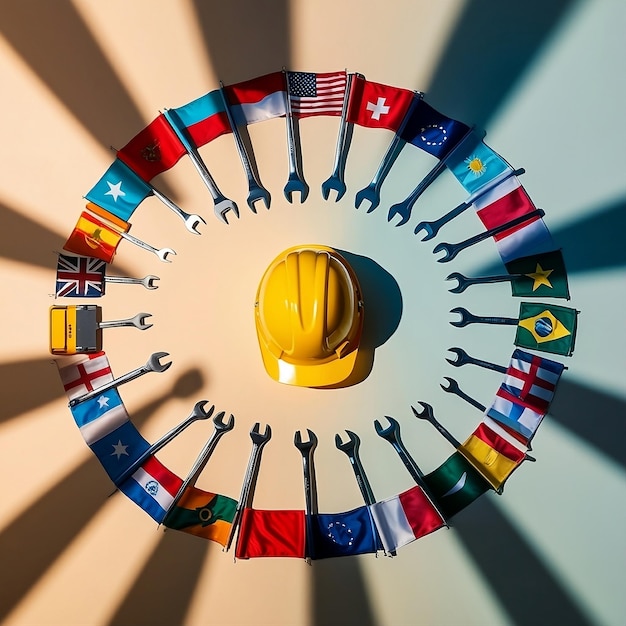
(547, 328)
(539, 276)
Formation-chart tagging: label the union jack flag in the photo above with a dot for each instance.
(80, 277)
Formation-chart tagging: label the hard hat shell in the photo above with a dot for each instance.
(309, 317)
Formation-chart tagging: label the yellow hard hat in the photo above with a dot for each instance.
(309, 317)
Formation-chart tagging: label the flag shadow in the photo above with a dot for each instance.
(487, 53)
(65, 509)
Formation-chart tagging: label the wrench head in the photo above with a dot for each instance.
(222, 207)
(370, 194)
(154, 362)
(258, 193)
(297, 185)
(464, 313)
(139, 321)
(259, 438)
(305, 446)
(461, 357)
(448, 249)
(451, 387)
(199, 412)
(428, 227)
(191, 223)
(163, 252)
(334, 183)
(461, 286)
(148, 282)
(351, 446)
(391, 432)
(221, 425)
(427, 412)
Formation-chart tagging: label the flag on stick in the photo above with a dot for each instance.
(547, 328)
(204, 118)
(316, 94)
(258, 99)
(100, 416)
(85, 374)
(79, 277)
(539, 275)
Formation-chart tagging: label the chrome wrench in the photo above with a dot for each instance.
(162, 253)
(146, 281)
(138, 321)
(453, 387)
(470, 318)
(296, 181)
(462, 358)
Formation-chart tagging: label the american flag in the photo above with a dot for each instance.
(80, 277)
(316, 94)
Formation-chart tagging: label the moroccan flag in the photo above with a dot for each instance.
(85, 373)
(316, 94)
(80, 276)
(456, 484)
(475, 164)
(547, 328)
(119, 190)
(204, 118)
(203, 514)
(493, 452)
(96, 235)
(119, 449)
(100, 416)
(258, 99)
(153, 150)
(376, 105)
(540, 276)
(405, 518)
(152, 487)
(343, 534)
(271, 533)
(431, 131)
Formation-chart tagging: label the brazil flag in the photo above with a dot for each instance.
(547, 328)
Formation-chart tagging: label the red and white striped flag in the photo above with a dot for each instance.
(86, 374)
(316, 94)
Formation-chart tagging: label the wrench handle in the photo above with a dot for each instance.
(500, 229)
(409, 463)
(169, 203)
(362, 482)
(488, 365)
(509, 321)
(340, 150)
(136, 373)
(444, 432)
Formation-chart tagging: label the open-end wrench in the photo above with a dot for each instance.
(462, 358)
(392, 435)
(470, 318)
(198, 413)
(452, 249)
(404, 208)
(221, 204)
(162, 253)
(463, 282)
(371, 193)
(219, 428)
(336, 180)
(256, 191)
(153, 364)
(138, 321)
(351, 449)
(190, 220)
(428, 414)
(453, 387)
(258, 441)
(296, 181)
(307, 448)
(146, 281)
(432, 228)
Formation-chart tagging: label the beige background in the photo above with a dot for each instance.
(547, 84)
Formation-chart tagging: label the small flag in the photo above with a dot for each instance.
(117, 450)
(203, 514)
(455, 484)
(258, 99)
(547, 328)
(475, 164)
(271, 533)
(204, 118)
(540, 276)
(344, 534)
(85, 374)
(100, 416)
(152, 487)
(316, 94)
(493, 452)
(431, 131)
(153, 150)
(376, 105)
(80, 276)
(405, 518)
(96, 234)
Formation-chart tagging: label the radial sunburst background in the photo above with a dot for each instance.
(544, 80)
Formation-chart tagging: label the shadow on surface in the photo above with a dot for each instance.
(39, 535)
(488, 52)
